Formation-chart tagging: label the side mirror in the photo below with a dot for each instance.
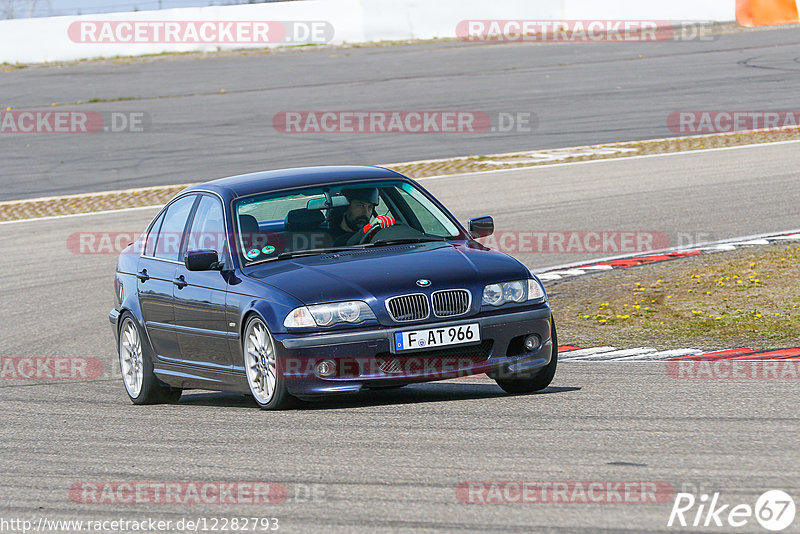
(202, 260)
(481, 226)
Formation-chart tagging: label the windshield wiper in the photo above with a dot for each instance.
(404, 240)
(314, 251)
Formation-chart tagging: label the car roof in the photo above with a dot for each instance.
(276, 180)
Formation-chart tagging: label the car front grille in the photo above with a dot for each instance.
(436, 360)
(408, 307)
(451, 302)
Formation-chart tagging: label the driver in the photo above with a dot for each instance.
(357, 217)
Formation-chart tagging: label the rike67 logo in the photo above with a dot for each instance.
(774, 510)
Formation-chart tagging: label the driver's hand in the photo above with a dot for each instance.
(385, 220)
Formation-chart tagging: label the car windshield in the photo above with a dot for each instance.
(337, 217)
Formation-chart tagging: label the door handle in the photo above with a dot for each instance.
(142, 275)
(180, 282)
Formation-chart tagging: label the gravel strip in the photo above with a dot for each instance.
(744, 298)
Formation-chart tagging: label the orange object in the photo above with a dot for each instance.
(766, 12)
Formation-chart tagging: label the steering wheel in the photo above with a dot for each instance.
(370, 232)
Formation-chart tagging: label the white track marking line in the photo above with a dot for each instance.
(584, 352)
(568, 272)
(660, 355)
(106, 212)
(548, 277)
(623, 158)
(753, 242)
(613, 355)
(719, 247)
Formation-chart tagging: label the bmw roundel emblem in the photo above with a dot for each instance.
(423, 283)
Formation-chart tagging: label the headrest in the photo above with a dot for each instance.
(248, 224)
(302, 219)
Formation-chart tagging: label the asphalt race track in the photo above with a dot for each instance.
(580, 93)
(392, 460)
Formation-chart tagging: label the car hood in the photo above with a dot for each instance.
(382, 272)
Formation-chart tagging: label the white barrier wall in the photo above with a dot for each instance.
(47, 39)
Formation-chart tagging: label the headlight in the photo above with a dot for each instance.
(353, 312)
(493, 294)
(515, 291)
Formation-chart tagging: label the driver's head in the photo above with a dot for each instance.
(362, 206)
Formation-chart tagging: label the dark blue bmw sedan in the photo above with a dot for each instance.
(305, 282)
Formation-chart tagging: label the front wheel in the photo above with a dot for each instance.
(136, 365)
(267, 384)
(542, 379)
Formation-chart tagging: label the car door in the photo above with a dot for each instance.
(199, 296)
(156, 274)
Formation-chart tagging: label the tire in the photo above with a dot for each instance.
(529, 384)
(136, 365)
(266, 382)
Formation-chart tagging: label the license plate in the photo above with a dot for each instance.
(437, 337)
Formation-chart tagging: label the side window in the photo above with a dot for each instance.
(152, 237)
(171, 234)
(208, 228)
(430, 224)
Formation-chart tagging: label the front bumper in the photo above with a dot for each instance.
(113, 318)
(365, 358)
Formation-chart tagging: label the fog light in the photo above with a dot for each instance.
(326, 368)
(532, 342)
